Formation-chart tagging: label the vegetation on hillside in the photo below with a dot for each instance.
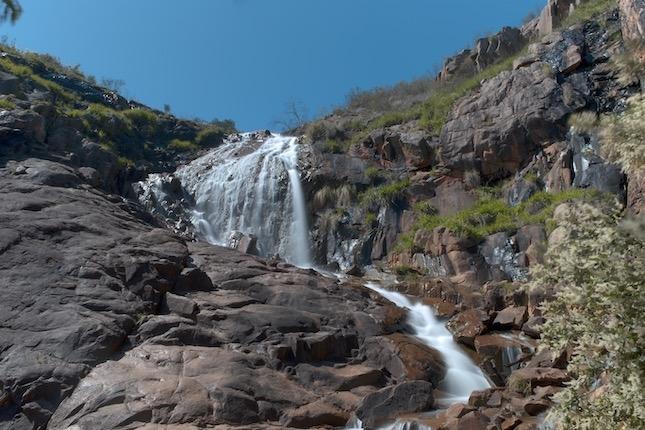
(129, 130)
(492, 215)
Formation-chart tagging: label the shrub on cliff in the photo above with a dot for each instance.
(623, 136)
(598, 268)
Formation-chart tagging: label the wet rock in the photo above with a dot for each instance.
(467, 325)
(392, 402)
(441, 308)
(405, 358)
(245, 243)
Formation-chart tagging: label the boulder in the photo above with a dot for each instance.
(513, 317)
(314, 415)
(392, 402)
(404, 358)
(467, 325)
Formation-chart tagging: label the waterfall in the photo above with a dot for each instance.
(251, 186)
(462, 375)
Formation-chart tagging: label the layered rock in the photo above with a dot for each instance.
(487, 51)
(109, 321)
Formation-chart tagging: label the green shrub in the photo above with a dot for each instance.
(142, 119)
(54, 88)
(587, 10)
(210, 136)
(317, 131)
(405, 243)
(623, 136)
(490, 215)
(386, 194)
(370, 220)
(597, 269)
(7, 104)
(373, 173)
(486, 217)
(393, 118)
(332, 146)
(424, 207)
(182, 145)
(15, 69)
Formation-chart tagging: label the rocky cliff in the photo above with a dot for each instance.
(118, 315)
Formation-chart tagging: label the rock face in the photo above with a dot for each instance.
(487, 51)
(632, 19)
(111, 322)
(554, 13)
(391, 402)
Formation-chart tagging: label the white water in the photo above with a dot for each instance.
(462, 375)
(253, 187)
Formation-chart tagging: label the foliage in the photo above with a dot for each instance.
(6, 104)
(597, 268)
(54, 88)
(631, 63)
(182, 145)
(623, 136)
(142, 119)
(10, 10)
(587, 10)
(491, 215)
(393, 118)
(386, 194)
(424, 207)
(332, 146)
(327, 196)
(215, 133)
(16, 69)
(370, 220)
(584, 122)
(373, 173)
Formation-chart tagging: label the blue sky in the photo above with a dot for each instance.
(246, 59)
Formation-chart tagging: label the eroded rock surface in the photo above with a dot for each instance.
(110, 322)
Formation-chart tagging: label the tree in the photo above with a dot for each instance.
(10, 10)
(596, 262)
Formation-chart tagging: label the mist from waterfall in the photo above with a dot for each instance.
(253, 187)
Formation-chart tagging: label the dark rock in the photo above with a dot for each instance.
(512, 317)
(9, 84)
(392, 402)
(404, 358)
(467, 325)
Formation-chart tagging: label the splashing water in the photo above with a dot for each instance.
(252, 187)
(462, 375)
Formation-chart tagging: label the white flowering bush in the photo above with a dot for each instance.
(623, 136)
(598, 268)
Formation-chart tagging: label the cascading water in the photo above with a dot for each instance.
(462, 375)
(251, 186)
